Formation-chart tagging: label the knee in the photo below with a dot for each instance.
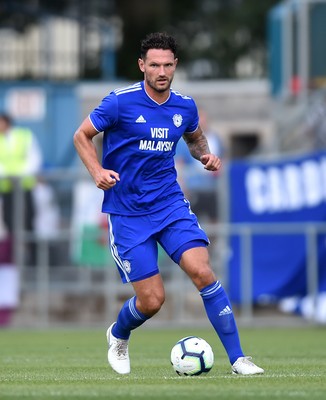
(195, 262)
(203, 276)
(151, 304)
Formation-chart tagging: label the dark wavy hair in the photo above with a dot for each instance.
(158, 40)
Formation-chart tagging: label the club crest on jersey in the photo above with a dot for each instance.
(127, 266)
(177, 120)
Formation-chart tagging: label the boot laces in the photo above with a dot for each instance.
(122, 348)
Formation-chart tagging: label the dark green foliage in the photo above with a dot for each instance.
(219, 32)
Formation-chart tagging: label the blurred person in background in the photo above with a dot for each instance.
(20, 161)
(142, 125)
(200, 188)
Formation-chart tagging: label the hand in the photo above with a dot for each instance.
(105, 179)
(211, 162)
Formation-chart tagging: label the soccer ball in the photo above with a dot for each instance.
(192, 355)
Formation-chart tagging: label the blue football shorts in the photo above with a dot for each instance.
(133, 239)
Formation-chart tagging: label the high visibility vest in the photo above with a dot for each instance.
(13, 159)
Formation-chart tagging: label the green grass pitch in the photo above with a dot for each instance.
(71, 364)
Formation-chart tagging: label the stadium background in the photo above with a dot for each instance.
(258, 72)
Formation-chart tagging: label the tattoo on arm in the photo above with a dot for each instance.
(198, 146)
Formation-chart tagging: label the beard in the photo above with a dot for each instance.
(153, 84)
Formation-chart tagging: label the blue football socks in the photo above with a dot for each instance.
(129, 318)
(219, 312)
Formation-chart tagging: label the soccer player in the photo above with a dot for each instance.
(142, 125)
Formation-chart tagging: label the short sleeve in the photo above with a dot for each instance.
(194, 118)
(105, 115)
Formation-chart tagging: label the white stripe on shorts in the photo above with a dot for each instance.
(114, 251)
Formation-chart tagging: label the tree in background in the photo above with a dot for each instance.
(218, 38)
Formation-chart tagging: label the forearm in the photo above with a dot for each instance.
(198, 146)
(87, 153)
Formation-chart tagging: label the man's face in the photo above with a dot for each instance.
(158, 68)
(3, 125)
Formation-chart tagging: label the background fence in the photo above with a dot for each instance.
(74, 280)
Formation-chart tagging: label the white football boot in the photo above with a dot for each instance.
(118, 355)
(243, 366)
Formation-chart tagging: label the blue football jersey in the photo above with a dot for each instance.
(139, 142)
